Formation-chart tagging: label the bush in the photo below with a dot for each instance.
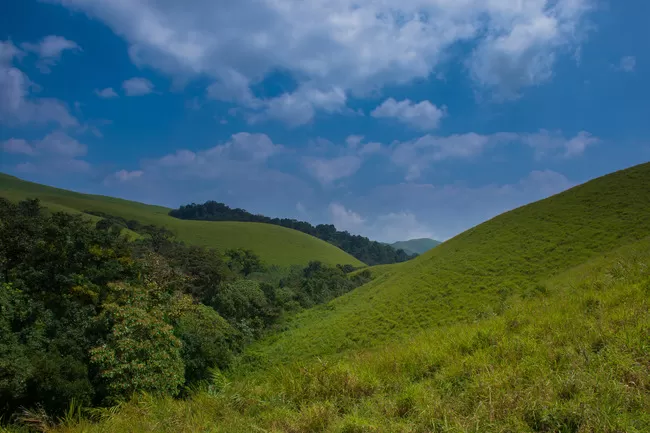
(208, 342)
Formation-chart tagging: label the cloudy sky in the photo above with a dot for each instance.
(395, 120)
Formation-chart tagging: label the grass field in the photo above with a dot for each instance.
(571, 355)
(274, 244)
(469, 276)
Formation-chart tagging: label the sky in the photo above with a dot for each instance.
(393, 120)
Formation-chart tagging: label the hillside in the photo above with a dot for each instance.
(274, 244)
(569, 356)
(415, 246)
(360, 247)
(471, 275)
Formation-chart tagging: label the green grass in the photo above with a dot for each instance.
(274, 244)
(570, 355)
(468, 276)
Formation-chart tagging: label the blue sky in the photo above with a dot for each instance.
(419, 118)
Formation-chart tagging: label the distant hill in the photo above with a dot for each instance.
(274, 244)
(369, 252)
(415, 246)
(472, 274)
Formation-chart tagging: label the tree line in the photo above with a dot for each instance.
(370, 252)
(86, 315)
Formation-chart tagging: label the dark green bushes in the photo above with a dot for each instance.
(89, 317)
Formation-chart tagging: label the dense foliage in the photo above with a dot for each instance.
(87, 315)
(369, 252)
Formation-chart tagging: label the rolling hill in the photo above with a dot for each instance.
(536, 321)
(415, 246)
(274, 244)
(471, 275)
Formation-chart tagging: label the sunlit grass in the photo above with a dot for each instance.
(274, 244)
(571, 355)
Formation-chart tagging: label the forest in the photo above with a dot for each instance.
(89, 316)
(370, 252)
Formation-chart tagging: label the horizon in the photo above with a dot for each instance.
(408, 130)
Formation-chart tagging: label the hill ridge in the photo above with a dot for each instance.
(274, 244)
(472, 274)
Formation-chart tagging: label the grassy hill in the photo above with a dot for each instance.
(274, 244)
(473, 274)
(536, 321)
(570, 356)
(415, 246)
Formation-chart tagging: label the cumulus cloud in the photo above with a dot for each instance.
(18, 146)
(389, 227)
(418, 154)
(137, 86)
(50, 50)
(353, 45)
(422, 115)
(546, 143)
(243, 152)
(106, 93)
(123, 176)
(327, 171)
(17, 106)
(338, 162)
(60, 143)
(56, 153)
(344, 219)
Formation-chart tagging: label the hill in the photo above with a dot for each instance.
(569, 356)
(473, 274)
(274, 244)
(362, 248)
(415, 246)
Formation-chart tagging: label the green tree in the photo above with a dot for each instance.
(141, 353)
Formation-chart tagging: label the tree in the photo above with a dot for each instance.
(141, 354)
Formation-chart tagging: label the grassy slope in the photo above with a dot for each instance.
(467, 277)
(276, 245)
(572, 357)
(417, 246)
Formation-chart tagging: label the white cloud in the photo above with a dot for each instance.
(137, 86)
(298, 108)
(49, 50)
(344, 219)
(17, 107)
(327, 171)
(60, 143)
(123, 176)
(521, 47)
(19, 146)
(416, 155)
(106, 93)
(389, 227)
(627, 64)
(334, 162)
(546, 142)
(353, 45)
(422, 115)
(244, 151)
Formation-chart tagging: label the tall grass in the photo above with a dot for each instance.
(571, 354)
